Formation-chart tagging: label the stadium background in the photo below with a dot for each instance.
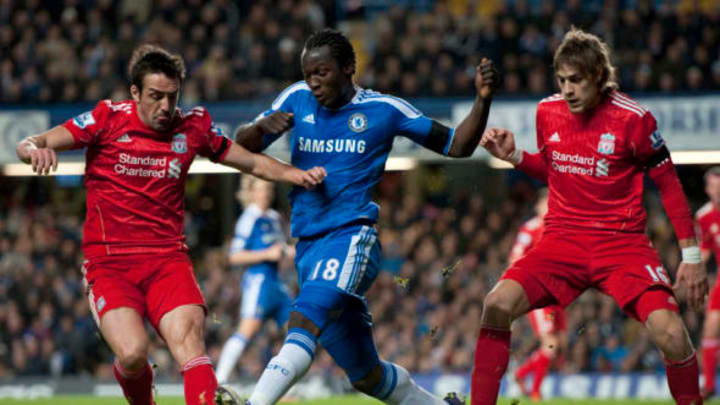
(446, 227)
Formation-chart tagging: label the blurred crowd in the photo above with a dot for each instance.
(73, 50)
(442, 252)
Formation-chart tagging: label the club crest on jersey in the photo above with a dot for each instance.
(606, 146)
(179, 143)
(656, 140)
(358, 122)
(84, 119)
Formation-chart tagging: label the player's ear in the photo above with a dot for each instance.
(135, 93)
(349, 69)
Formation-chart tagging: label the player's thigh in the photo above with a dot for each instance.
(183, 329)
(552, 273)
(171, 286)
(347, 259)
(124, 331)
(635, 278)
(349, 341)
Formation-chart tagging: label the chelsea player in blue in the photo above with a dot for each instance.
(349, 131)
(258, 245)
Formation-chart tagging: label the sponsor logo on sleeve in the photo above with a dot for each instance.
(84, 119)
(606, 146)
(358, 122)
(216, 130)
(179, 143)
(656, 140)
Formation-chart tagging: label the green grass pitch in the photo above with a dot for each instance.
(346, 400)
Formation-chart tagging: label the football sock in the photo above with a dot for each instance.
(542, 364)
(283, 370)
(709, 361)
(231, 352)
(492, 354)
(199, 380)
(683, 381)
(136, 385)
(397, 388)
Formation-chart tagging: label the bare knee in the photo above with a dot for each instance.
(669, 334)
(132, 355)
(504, 303)
(367, 384)
(183, 330)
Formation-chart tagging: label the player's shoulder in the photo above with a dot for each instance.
(113, 109)
(295, 88)
(533, 224)
(371, 98)
(273, 215)
(552, 104)
(551, 100)
(626, 106)
(704, 211)
(247, 221)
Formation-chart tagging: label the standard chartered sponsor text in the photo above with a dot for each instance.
(126, 161)
(576, 168)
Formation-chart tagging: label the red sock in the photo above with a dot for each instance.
(199, 380)
(136, 385)
(492, 353)
(542, 365)
(709, 362)
(526, 368)
(683, 381)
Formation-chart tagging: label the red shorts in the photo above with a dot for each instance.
(714, 301)
(152, 284)
(547, 320)
(565, 263)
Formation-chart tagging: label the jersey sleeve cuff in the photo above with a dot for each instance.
(447, 147)
(76, 133)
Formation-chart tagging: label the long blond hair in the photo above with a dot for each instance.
(589, 54)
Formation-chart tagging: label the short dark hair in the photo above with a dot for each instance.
(713, 171)
(154, 59)
(340, 47)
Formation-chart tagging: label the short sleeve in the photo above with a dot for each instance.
(284, 102)
(215, 145)
(540, 127)
(411, 123)
(86, 127)
(243, 231)
(644, 137)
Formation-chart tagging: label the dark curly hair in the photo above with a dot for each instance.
(340, 47)
(154, 59)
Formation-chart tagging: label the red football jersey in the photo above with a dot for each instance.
(528, 234)
(135, 176)
(596, 162)
(708, 223)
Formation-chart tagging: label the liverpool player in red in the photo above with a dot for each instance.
(136, 267)
(708, 221)
(595, 144)
(548, 323)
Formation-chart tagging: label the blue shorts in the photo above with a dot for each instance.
(335, 270)
(264, 297)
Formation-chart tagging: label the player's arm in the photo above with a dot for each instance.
(500, 143)
(250, 135)
(470, 130)
(245, 257)
(268, 168)
(40, 150)
(691, 274)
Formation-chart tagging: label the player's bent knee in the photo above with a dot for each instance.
(498, 303)
(132, 356)
(669, 333)
(369, 383)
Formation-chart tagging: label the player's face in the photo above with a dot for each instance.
(262, 193)
(157, 101)
(581, 92)
(328, 82)
(712, 188)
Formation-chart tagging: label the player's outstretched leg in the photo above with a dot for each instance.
(669, 333)
(283, 370)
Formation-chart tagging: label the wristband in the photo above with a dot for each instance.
(516, 157)
(691, 255)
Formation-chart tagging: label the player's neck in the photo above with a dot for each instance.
(346, 95)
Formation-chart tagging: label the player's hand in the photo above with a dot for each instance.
(43, 160)
(276, 123)
(499, 142)
(275, 252)
(310, 178)
(692, 280)
(485, 78)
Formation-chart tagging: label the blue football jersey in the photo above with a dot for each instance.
(257, 230)
(352, 143)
